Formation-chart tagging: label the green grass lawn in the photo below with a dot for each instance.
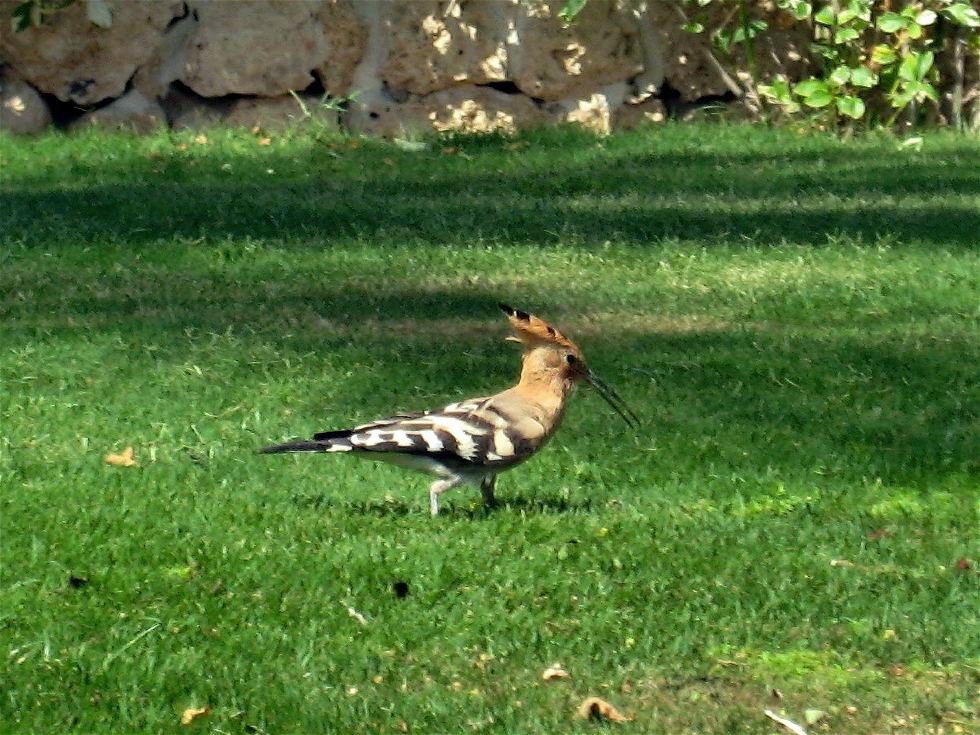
(794, 527)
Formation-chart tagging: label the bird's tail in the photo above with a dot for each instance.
(297, 445)
(325, 441)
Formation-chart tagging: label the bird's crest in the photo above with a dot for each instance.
(534, 332)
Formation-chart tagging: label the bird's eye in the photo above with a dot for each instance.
(571, 359)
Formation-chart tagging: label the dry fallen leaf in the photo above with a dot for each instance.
(555, 671)
(594, 708)
(265, 141)
(192, 713)
(357, 616)
(124, 459)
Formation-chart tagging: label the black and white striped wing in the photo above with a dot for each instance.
(470, 433)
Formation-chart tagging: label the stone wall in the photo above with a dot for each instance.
(408, 65)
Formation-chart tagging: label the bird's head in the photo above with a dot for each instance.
(548, 351)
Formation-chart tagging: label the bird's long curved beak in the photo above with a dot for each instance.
(613, 398)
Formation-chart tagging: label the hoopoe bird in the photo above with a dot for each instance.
(472, 441)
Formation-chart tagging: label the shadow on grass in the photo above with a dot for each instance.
(454, 506)
(635, 196)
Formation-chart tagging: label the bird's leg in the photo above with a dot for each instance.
(437, 489)
(486, 487)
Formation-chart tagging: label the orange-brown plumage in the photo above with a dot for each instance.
(535, 332)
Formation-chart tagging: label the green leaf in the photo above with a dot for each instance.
(830, 53)
(751, 30)
(963, 14)
(810, 86)
(840, 75)
(851, 106)
(693, 27)
(863, 9)
(901, 98)
(722, 40)
(923, 64)
(825, 16)
(852, 11)
(778, 91)
(926, 17)
(818, 99)
(906, 69)
(800, 10)
(914, 30)
(915, 66)
(913, 90)
(843, 35)
(862, 76)
(21, 16)
(891, 22)
(571, 9)
(882, 54)
(925, 89)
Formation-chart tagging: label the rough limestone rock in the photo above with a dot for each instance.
(188, 111)
(432, 45)
(346, 37)
(268, 114)
(77, 61)
(260, 47)
(276, 114)
(133, 111)
(553, 62)
(595, 111)
(649, 112)
(409, 65)
(466, 108)
(474, 109)
(22, 111)
(167, 63)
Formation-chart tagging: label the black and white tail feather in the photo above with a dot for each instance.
(463, 443)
